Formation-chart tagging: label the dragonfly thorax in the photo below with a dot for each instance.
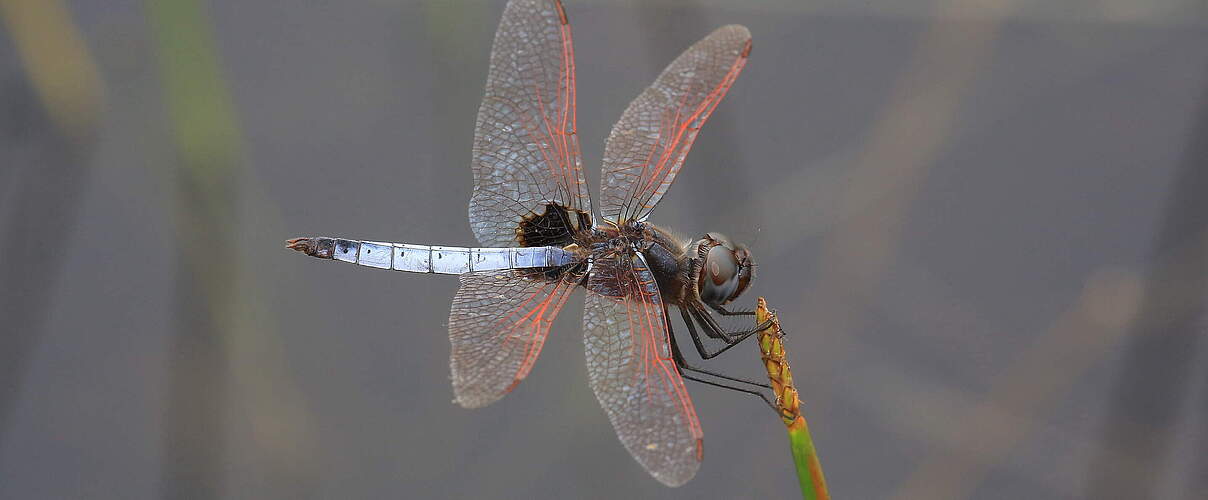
(711, 270)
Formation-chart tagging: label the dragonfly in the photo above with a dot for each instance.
(541, 238)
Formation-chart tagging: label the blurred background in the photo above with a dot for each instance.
(984, 225)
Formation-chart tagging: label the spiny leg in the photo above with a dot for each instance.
(712, 329)
(684, 366)
(730, 336)
(683, 363)
(714, 334)
(722, 311)
(700, 346)
(761, 395)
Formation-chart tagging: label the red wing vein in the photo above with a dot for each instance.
(497, 326)
(650, 142)
(525, 153)
(633, 374)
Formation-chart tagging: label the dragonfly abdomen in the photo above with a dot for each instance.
(431, 258)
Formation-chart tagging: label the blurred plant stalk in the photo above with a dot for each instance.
(57, 62)
(44, 168)
(227, 350)
(775, 361)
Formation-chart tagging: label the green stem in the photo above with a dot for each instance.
(809, 469)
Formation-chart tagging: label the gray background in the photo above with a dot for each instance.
(984, 226)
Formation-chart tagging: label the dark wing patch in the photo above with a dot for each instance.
(526, 150)
(554, 226)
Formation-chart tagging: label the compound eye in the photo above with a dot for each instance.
(719, 279)
(720, 265)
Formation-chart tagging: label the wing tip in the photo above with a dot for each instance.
(736, 32)
(739, 30)
(678, 476)
(470, 400)
(472, 396)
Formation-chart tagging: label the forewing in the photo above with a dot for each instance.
(526, 153)
(648, 144)
(497, 326)
(631, 370)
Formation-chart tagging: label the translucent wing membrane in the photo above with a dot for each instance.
(497, 326)
(648, 144)
(630, 368)
(526, 153)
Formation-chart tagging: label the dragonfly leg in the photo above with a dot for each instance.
(678, 356)
(711, 328)
(700, 346)
(722, 311)
(711, 333)
(707, 319)
(761, 395)
(714, 330)
(685, 367)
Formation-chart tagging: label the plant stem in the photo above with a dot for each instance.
(805, 457)
(809, 469)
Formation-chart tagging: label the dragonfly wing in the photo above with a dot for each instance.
(497, 326)
(631, 370)
(648, 144)
(526, 151)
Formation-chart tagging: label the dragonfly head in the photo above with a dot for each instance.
(726, 269)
